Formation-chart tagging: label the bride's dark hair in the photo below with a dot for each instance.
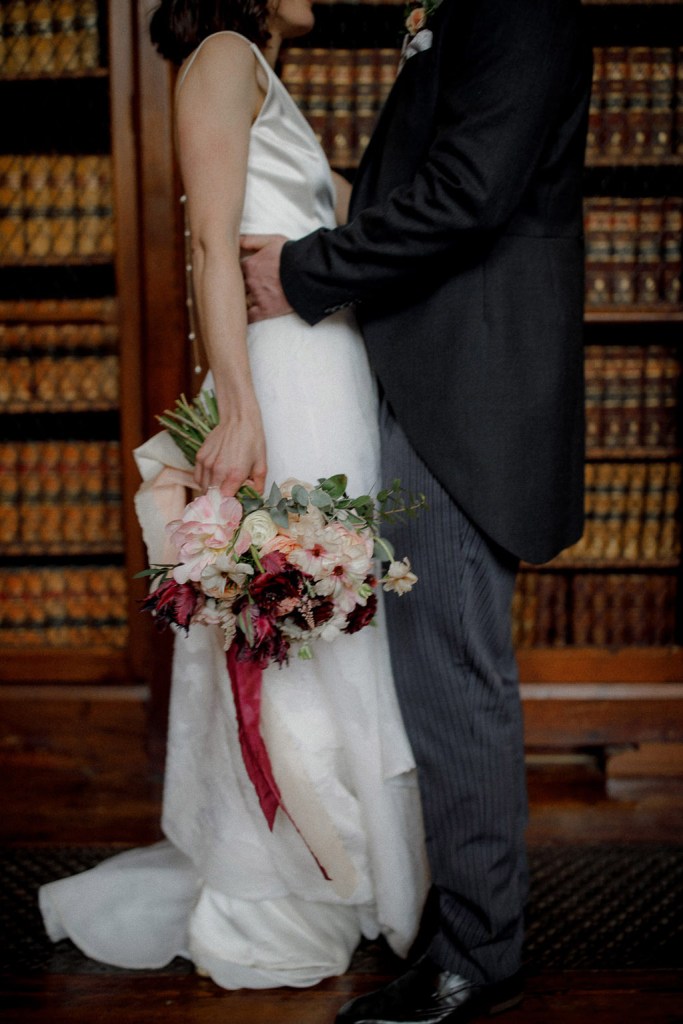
(178, 26)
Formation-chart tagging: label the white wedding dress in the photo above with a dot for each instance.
(252, 908)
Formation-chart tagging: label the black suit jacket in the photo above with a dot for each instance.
(464, 259)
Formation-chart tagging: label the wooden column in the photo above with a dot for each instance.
(164, 356)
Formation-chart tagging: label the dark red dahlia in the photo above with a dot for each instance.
(280, 590)
(173, 602)
(262, 641)
(362, 615)
(312, 612)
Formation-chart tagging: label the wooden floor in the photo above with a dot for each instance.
(50, 798)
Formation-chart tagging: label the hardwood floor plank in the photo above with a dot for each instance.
(650, 997)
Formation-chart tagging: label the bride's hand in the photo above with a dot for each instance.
(234, 453)
(260, 261)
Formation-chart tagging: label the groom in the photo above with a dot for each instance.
(463, 259)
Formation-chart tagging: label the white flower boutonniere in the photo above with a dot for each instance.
(418, 37)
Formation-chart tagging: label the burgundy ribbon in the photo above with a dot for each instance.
(246, 680)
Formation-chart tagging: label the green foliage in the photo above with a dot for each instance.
(189, 424)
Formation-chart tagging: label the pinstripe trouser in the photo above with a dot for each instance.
(457, 685)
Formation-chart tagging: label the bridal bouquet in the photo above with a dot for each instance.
(272, 573)
(279, 571)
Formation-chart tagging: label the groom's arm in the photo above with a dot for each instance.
(497, 103)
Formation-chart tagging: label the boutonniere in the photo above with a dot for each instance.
(418, 37)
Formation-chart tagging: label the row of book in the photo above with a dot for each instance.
(74, 607)
(48, 37)
(60, 497)
(74, 470)
(636, 107)
(59, 383)
(552, 609)
(634, 251)
(58, 367)
(68, 607)
(64, 528)
(624, 409)
(19, 315)
(340, 93)
(632, 395)
(55, 208)
(20, 337)
(632, 513)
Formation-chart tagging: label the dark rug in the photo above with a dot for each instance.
(599, 907)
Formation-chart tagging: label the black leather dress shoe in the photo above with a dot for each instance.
(427, 995)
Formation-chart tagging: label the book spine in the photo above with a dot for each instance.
(540, 610)
(614, 108)
(662, 94)
(598, 225)
(638, 119)
(649, 256)
(12, 241)
(94, 228)
(672, 250)
(15, 38)
(623, 252)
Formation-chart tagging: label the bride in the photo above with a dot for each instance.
(251, 907)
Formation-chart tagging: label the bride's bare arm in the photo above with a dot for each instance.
(342, 189)
(215, 108)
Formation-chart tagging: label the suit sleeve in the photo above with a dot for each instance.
(505, 70)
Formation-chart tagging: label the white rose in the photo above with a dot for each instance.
(260, 527)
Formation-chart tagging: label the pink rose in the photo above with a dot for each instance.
(206, 531)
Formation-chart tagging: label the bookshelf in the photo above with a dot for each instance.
(69, 345)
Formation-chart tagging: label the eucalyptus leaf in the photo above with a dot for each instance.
(335, 486)
(320, 499)
(275, 496)
(300, 495)
(250, 504)
(279, 516)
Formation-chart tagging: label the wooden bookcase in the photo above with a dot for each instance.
(71, 295)
(576, 694)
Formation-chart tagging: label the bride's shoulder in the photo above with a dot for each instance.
(218, 56)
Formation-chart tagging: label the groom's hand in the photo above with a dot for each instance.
(260, 256)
